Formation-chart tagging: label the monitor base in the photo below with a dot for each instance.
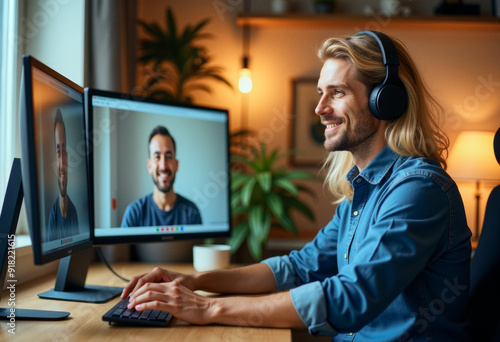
(32, 315)
(89, 294)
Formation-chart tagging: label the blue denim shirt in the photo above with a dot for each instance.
(392, 264)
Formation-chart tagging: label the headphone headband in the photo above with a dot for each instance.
(387, 47)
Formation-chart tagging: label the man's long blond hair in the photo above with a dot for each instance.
(415, 133)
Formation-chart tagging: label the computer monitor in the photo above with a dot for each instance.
(127, 167)
(55, 179)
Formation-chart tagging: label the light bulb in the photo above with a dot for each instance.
(245, 80)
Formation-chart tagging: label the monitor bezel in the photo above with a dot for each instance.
(132, 239)
(29, 166)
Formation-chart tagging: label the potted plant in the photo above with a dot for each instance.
(264, 195)
(180, 63)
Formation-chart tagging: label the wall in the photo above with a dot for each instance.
(459, 66)
(53, 32)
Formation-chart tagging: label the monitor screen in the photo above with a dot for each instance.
(54, 163)
(160, 170)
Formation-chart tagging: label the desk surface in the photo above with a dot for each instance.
(85, 323)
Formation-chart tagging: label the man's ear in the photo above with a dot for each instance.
(148, 164)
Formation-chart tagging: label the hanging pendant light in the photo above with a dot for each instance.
(245, 77)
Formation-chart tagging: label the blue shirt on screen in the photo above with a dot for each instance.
(60, 227)
(392, 264)
(145, 213)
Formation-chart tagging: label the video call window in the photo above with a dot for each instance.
(60, 143)
(119, 136)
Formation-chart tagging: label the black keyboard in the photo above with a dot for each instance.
(120, 314)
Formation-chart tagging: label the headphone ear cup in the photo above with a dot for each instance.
(388, 101)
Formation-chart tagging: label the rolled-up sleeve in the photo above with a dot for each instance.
(310, 303)
(308, 299)
(283, 270)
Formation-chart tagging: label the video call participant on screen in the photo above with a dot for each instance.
(163, 206)
(63, 219)
(392, 264)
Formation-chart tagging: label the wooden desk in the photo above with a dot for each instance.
(85, 323)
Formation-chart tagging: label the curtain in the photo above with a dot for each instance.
(110, 44)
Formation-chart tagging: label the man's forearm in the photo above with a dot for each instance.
(273, 310)
(257, 278)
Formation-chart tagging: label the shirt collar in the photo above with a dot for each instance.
(376, 170)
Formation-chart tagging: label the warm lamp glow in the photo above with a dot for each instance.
(473, 157)
(245, 80)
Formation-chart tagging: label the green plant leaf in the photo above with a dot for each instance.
(296, 175)
(256, 220)
(238, 210)
(287, 185)
(242, 159)
(235, 201)
(247, 190)
(238, 235)
(275, 203)
(254, 247)
(291, 202)
(287, 223)
(259, 221)
(171, 24)
(265, 181)
(238, 179)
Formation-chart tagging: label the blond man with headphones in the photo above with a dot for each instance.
(393, 263)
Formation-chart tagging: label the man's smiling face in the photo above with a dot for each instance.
(343, 107)
(162, 164)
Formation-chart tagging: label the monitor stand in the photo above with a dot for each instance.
(32, 315)
(70, 281)
(8, 225)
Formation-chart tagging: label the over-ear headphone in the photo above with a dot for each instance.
(388, 100)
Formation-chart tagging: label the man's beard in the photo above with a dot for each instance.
(167, 187)
(350, 141)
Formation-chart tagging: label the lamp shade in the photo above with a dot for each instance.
(472, 157)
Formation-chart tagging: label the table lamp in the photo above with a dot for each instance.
(473, 158)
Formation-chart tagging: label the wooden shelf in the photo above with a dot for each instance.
(300, 20)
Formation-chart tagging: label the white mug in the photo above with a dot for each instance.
(211, 257)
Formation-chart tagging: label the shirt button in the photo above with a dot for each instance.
(355, 213)
(345, 256)
(359, 180)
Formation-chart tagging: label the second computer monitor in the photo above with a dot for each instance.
(54, 163)
(144, 154)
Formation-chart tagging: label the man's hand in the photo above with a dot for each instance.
(174, 298)
(157, 275)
